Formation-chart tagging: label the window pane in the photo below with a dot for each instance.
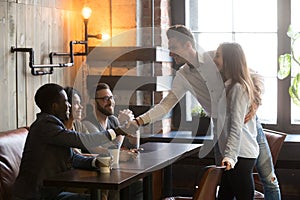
(191, 102)
(295, 65)
(295, 5)
(261, 52)
(249, 23)
(267, 112)
(295, 109)
(211, 15)
(295, 117)
(295, 16)
(255, 16)
(211, 41)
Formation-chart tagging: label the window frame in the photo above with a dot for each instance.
(284, 102)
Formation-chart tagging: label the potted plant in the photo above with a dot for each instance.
(200, 121)
(289, 61)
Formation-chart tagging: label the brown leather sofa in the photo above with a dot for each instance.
(11, 148)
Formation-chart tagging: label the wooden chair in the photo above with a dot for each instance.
(275, 140)
(207, 188)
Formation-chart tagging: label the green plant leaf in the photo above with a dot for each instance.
(198, 111)
(294, 90)
(284, 66)
(296, 36)
(290, 32)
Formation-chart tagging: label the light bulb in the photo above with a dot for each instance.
(105, 36)
(86, 12)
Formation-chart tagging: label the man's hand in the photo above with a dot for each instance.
(127, 130)
(125, 116)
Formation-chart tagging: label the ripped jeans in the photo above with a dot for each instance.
(265, 168)
(264, 165)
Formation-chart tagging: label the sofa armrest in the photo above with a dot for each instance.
(11, 148)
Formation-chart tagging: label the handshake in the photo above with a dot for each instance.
(126, 130)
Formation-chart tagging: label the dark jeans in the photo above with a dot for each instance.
(238, 182)
(72, 196)
(65, 196)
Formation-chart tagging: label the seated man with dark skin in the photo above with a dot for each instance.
(48, 147)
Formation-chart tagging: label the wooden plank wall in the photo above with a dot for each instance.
(46, 26)
(7, 73)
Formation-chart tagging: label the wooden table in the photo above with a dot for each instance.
(155, 156)
(175, 137)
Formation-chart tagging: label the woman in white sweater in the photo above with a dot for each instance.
(237, 142)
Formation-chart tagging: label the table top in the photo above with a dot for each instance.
(176, 137)
(154, 156)
(187, 137)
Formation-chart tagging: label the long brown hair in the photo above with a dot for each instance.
(235, 68)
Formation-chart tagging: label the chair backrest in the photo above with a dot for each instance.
(275, 140)
(207, 188)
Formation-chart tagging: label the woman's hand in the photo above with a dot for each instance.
(125, 116)
(228, 163)
(135, 122)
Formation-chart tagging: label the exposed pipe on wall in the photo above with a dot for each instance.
(39, 69)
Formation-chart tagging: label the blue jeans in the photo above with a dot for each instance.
(264, 165)
(265, 168)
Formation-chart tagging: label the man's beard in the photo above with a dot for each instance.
(103, 110)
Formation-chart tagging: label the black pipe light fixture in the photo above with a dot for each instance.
(43, 69)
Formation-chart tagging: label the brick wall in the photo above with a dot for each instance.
(160, 20)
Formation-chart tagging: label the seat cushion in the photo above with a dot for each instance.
(11, 149)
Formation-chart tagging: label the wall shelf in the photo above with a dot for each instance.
(126, 86)
(114, 54)
(141, 83)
